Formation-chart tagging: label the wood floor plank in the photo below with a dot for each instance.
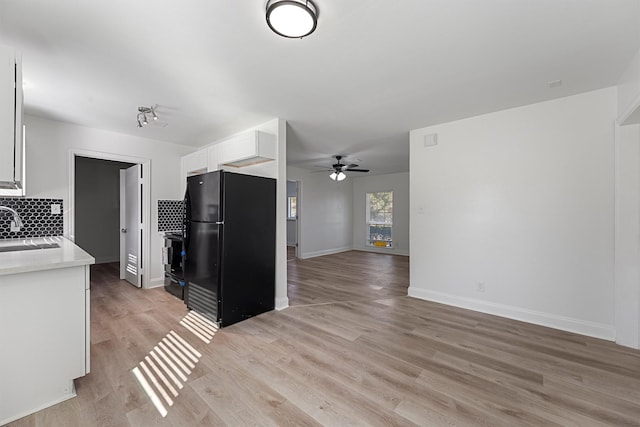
(352, 349)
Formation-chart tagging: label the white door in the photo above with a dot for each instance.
(131, 225)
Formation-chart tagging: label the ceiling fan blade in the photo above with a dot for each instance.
(356, 170)
(352, 165)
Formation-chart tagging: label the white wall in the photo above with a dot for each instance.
(399, 184)
(325, 213)
(627, 268)
(629, 90)
(48, 146)
(523, 201)
(627, 249)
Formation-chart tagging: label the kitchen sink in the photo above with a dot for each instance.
(28, 247)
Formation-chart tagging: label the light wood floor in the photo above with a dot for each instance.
(388, 360)
(347, 276)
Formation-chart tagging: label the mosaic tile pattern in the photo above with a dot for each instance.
(170, 215)
(36, 216)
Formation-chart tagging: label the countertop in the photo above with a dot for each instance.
(67, 255)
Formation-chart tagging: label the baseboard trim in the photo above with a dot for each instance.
(39, 408)
(155, 282)
(389, 251)
(592, 329)
(325, 252)
(282, 303)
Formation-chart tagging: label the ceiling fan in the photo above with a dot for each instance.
(338, 169)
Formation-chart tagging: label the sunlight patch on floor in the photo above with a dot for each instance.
(199, 326)
(165, 369)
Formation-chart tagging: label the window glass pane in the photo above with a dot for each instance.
(380, 207)
(380, 235)
(380, 219)
(292, 207)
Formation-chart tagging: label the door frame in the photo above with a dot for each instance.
(298, 251)
(146, 200)
(298, 219)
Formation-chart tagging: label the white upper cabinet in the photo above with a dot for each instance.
(195, 163)
(11, 141)
(213, 158)
(247, 149)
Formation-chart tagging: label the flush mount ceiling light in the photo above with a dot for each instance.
(293, 19)
(142, 115)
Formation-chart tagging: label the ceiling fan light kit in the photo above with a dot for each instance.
(338, 169)
(292, 19)
(339, 176)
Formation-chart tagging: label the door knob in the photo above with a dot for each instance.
(124, 230)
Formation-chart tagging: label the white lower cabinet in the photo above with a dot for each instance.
(44, 338)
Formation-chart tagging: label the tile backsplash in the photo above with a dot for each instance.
(36, 216)
(169, 215)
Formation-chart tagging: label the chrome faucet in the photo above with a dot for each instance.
(17, 222)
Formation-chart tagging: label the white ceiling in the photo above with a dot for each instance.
(372, 71)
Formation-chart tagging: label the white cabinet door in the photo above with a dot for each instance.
(212, 164)
(10, 114)
(193, 164)
(248, 149)
(44, 348)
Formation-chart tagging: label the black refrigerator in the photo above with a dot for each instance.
(229, 245)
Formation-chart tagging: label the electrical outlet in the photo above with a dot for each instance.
(55, 209)
(480, 287)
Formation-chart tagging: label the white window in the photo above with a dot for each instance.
(380, 219)
(292, 210)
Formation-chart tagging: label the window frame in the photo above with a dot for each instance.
(368, 222)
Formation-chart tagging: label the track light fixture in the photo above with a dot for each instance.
(142, 115)
(293, 19)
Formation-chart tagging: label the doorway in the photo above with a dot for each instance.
(98, 227)
(97, 207)
(293, 220)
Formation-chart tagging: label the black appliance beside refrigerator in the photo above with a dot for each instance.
(173, 272)
(229, 245)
